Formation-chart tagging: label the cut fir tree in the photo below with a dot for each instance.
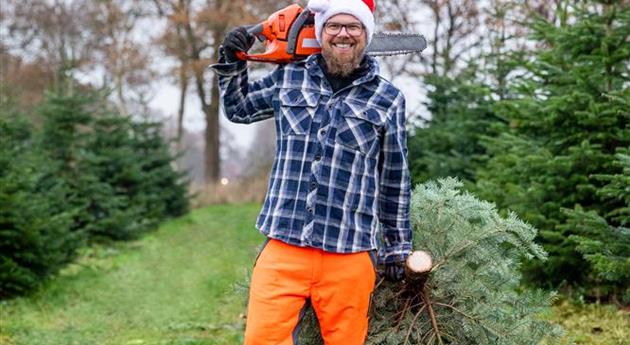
(464, 287)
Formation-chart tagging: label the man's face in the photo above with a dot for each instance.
(343, 51)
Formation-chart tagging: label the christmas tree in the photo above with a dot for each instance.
(472, 294)
(604, 243)
(449, 144)
(35, 232)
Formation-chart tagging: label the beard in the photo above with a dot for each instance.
(342, 66)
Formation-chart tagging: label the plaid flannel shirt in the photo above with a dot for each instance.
(340, 175)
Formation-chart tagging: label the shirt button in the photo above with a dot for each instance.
(309, 209)
(313, 185)
(322, 132)
(318, 157)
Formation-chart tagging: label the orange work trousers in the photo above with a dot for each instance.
(287, 277)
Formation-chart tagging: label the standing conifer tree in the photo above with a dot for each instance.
(35, 236)
(169, 187)
(449, 144)
(605, 241)
(117, 206)
(64, 135)
(568, 116)
(120, 172)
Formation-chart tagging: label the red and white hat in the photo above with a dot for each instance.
(363, 10)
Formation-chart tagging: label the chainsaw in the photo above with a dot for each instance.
(289, 35)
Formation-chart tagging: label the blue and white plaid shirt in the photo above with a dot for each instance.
(340, 175)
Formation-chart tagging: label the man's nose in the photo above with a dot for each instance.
(344, 29)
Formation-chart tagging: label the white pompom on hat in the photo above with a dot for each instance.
(363, 10)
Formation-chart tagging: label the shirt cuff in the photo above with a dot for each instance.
(397, 253)
(229, 68)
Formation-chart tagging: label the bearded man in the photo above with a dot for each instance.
(339, 187)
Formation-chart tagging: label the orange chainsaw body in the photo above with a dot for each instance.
(288, 34)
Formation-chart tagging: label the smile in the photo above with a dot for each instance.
(342, 48)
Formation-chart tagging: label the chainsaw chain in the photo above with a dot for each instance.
(390, 53)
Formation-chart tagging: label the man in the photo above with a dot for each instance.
(340, 169)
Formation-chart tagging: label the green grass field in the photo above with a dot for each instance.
(179, 286)
(175, 286)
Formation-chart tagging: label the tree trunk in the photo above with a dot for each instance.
(211, 112)
(183, 89)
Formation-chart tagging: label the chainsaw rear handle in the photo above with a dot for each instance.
(257, 30)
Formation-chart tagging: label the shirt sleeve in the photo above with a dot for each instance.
(394, 188)
(244, 101)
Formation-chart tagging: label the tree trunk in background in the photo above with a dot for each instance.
(211, 111)
(183, 88)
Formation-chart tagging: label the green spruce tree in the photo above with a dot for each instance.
(66, 125)
(120, 171)
(605, 240)
(449, 144)
(116, 204)
(169, 186)
(567, 116)
(35, 233)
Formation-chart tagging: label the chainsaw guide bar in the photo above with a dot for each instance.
(395, 43)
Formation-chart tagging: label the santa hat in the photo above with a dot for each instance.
(363, 10)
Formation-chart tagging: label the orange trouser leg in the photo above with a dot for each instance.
(341, 297)
(285, 276)
(279, 288)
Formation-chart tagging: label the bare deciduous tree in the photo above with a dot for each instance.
(49, 33)
(125, 59)
(194, 32)
(68, 38)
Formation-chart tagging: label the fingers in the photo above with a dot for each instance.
(247, 38)
(240, 39)
(250, 39)
(394, 272)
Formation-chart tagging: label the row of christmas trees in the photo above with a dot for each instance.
(545, 132)
(85, 174)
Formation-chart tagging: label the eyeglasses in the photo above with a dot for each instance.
(353, 29)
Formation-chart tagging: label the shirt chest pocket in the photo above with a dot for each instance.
(297, 109)
(359, 126)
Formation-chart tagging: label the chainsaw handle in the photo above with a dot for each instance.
(256, 31)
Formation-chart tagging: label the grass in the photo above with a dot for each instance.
(177, 287)
(591, 324)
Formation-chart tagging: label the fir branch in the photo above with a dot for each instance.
(495, 332)
(413, 322)
(463, 248)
